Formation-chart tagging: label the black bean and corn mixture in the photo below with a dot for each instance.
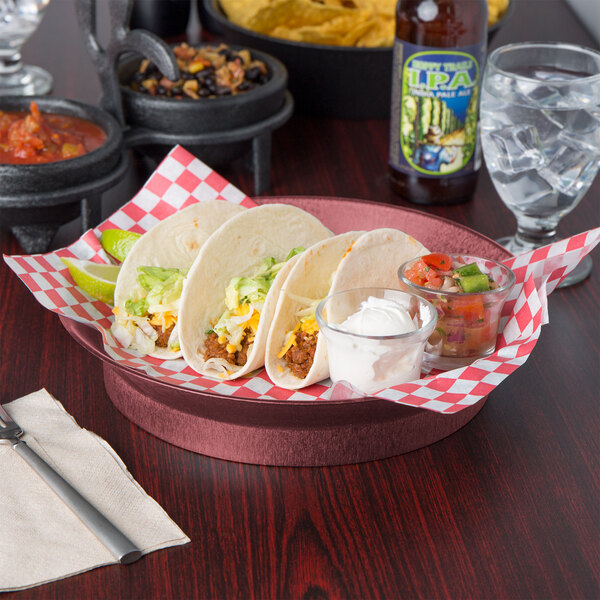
(206, 72)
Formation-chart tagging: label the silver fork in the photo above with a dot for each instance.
(117, 543)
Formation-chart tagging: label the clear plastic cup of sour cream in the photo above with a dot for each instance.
(375, 336)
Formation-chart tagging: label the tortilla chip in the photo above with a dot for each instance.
(380, 35)
(385, 8)
(240, 12)
(292, 14)
(496, 9)
(341, 31)
(328, 22)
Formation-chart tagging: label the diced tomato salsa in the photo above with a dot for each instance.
(467, 322)
(32, 137)
(440, 272)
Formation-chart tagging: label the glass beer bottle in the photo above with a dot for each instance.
(439, 54)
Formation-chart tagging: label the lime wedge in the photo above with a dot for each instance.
(117, 242)
(98, 280)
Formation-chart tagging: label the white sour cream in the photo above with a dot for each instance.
(379, 316)
(371, 365)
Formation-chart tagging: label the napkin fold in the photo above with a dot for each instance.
(42, 539)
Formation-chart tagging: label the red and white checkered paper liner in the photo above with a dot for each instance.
(180, 180)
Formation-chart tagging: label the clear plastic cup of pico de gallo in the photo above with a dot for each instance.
(468, 293)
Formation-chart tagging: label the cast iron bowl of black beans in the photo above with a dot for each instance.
(221, 88)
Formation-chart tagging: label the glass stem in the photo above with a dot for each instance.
(10, 64)
(534, 238)
(534, 232)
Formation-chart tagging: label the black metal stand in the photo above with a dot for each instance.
(259, 134)
(222, 144)
(35, 218)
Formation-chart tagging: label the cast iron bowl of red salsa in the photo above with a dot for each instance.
(48, 144)
(32, 137)
(468, 293)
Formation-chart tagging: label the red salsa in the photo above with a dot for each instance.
(33, 138)
(439, 272)
(467, 313)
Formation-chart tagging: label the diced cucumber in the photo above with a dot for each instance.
(474, 283)
(467, 270)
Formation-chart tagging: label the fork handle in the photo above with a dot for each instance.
(116, 542)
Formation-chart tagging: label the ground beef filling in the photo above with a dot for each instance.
(300, 357)
(214, 349)
(163, 336)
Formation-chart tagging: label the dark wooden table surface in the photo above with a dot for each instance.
(505, 508)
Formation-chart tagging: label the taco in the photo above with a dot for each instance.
(150, 282)
(295, 355)
(232, 288)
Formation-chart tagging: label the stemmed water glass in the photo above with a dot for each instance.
(18, 20)
(540, 132)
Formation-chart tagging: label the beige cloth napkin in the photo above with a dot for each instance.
(41, 539)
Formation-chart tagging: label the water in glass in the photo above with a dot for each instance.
(540, 133)
(18, 20)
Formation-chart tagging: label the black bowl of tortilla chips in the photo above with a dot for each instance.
(339, 64)
(325, 79)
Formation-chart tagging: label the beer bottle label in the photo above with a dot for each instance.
(435, 104)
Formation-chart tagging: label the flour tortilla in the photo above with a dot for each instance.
(359, 260)
(310, 278)
(238, 248)
(172, 243)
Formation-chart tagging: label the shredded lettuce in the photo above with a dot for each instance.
(250, 291)
(293, 252)
(245, 290)
(148, 277)
(220, 327)
(271, 267)
(139, 308)
(308, 306)
(158, 292)
(266, 267)
(162, 285)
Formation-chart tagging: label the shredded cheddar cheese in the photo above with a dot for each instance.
(253, 319)
(244, 327)
(241, 310)
(291, 341)
(308, 325)
(165, 320)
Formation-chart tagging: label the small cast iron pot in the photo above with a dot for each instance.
(36, 200)
(155, 121)
(205, 115)
(50, 177)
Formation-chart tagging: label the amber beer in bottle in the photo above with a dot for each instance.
(439, 54)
